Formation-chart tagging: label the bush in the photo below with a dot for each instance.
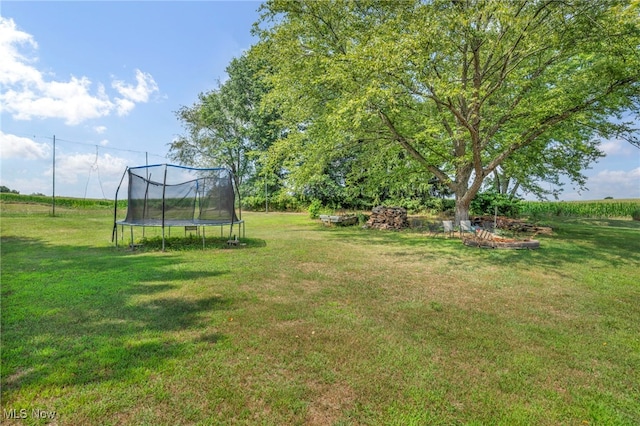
(314, 209)
(284, 202)
(255, 203)
(635, 214)
(485, 203)
(362, 218)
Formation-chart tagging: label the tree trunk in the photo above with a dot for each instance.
(513, 192)
(462, 208)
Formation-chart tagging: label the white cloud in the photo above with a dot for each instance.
(14, 66)
(144, 88)
(619, 184)
(619, 177)
(614, 183)
(69, 168)
(12, 146)
(28, 184)
(27, 94)
(124, 106)
(71, 101)
(616, 147)
(76, 176)
(99, 129)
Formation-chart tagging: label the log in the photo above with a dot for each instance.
(509, 224)
(388, 218)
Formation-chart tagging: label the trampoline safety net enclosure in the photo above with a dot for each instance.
(166, 196)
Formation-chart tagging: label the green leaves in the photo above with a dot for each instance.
(462, 87)
(228, 126)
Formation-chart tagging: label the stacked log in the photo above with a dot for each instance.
(514, 225)
(389, 218)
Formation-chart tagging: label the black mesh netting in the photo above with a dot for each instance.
(176, 196)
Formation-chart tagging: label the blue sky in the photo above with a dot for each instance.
(106, 78)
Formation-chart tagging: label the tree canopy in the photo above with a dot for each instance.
(455, 89)
(226, 126)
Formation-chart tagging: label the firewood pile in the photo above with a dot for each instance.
(509, 224)
(389, 218)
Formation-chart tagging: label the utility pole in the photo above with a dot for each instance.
(266, 195)
(54, 176)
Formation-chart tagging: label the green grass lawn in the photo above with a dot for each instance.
(314, 325)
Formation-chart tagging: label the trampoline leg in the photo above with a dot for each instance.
(131, 228)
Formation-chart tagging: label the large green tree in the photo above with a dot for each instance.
(226, 126)
(463, 87)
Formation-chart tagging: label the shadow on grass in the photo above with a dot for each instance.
(612, 241)
(74, 315)
(195, 243)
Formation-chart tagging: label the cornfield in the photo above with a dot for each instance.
(61, 201)
(591, 209)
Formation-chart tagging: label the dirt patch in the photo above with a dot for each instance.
(14, 380)
(330, 402)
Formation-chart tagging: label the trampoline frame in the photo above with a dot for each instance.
(168, 223)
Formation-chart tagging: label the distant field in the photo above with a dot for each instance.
(307, 324)
(60, 201)
(589, 209)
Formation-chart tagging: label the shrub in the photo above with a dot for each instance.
(635, 214)
(253, 203)
(362, 218)
(283, 202)
(314, 209)
(485, 203)
(278, 201)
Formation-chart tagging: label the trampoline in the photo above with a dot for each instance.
(167, 195)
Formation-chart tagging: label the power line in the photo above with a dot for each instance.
(108, 147)
(57, 139)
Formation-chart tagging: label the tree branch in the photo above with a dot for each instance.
(528, 137)
(412, 151)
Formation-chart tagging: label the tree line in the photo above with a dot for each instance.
(358, 103)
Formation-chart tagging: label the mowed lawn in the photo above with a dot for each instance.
(314, 325)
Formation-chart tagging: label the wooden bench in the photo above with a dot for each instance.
(191, 229)
(483, 234)
(339, 220)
